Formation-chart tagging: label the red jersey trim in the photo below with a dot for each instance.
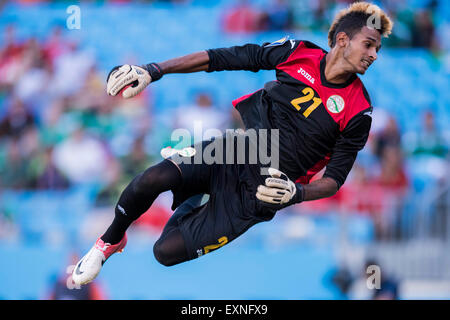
(313, 170)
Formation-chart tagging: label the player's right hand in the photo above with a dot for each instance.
(135, 77)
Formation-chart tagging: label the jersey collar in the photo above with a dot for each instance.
(324, 81)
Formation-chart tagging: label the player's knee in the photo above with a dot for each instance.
(163, 255)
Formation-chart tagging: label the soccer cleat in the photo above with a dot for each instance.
(89, 266)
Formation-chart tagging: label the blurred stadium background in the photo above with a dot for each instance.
(67, 150)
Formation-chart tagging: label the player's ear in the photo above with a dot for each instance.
(342, 39)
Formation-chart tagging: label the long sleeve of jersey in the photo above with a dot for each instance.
(351, 140)
(251, 57)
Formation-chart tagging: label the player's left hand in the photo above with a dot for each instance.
(135, 77)
(279, 189)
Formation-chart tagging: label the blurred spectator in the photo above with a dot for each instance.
(388, 136)
(92, 97)
(11, 46)
(388, 284)
(428, 154)
(381, 195)
(137, 159)
(56, 45)
(243, 18)
(32, 86)
(204, 114)
(30, 145)
(430, 141)
(112, 185)
(342, 279)
(391, 185)
(49, 176)
(321, 9)
(392, 175)
(423, 30)
(17, 120)
(277, 17)
(10, 58)
(14, 172)
(71, 71)
(388, 289)
(82, 158)
(357, 194)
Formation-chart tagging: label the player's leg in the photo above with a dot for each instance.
(139, 195)
(204, 229)
(136, 199)
(196, 230)
(170, 248)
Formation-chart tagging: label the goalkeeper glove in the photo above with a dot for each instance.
(279, 191)
(137, 78)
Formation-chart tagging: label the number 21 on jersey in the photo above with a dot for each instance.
(308, 96)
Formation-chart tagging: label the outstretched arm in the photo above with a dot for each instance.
(193, 62)
(250, 57)
(133, 79)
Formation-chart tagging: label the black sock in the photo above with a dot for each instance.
(139, 195)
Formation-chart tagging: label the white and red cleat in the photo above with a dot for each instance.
(90, 265)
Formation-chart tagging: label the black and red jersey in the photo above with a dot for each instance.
(320, 123)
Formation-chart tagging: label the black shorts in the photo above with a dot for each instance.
(232, 207)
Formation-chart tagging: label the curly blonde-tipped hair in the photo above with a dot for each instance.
(356, 16)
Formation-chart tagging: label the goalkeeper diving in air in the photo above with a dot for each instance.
(319, 106)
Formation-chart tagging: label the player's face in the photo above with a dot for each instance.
(362, 49)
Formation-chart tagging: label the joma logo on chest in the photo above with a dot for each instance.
(306, 75)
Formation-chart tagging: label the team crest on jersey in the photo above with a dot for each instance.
(278, 42)
(335, 103)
